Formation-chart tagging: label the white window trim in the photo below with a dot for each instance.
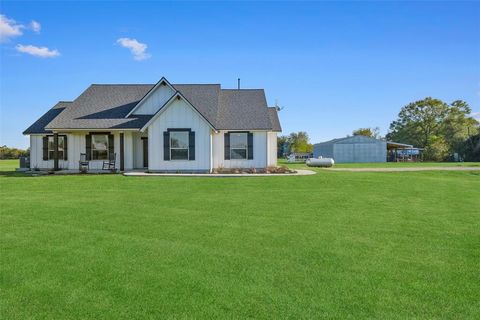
(172, 148)
(92, 148)
(53, 150)
(246, 146)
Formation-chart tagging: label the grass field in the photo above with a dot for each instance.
(333, 245)
(393, 164)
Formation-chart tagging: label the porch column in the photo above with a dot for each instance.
(122, 151)
(55, 151)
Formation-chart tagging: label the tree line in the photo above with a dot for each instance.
(12, 153)
(441, 129)
(444, 131)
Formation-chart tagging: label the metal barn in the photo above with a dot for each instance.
(352, 149)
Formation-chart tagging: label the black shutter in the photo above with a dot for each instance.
(65, 150)
(45, 147)
(191, 145)
(226, 143)
(166, 145)
(250, 145)
(110, 145)
(88, 146)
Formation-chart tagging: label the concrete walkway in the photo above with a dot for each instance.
(219, 175)
(400, 169)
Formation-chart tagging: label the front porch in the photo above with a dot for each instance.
(68, 151)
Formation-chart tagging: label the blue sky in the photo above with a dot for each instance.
(334, 66)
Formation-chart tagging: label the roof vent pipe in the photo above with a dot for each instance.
(238, 83)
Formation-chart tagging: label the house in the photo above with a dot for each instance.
(357, 149)
(158, 127)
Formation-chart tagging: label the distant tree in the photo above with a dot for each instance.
(419, 121)
(472, 148)
(458, 126)
(368, 132)
(282, 146)
(12, 153)
(299, 142)
(432, 124)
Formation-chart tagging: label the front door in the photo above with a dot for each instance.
(145, 152)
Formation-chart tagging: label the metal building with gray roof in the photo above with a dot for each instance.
(352, 149)
(355, 149)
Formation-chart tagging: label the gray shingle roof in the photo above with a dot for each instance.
(243, 110)
(106, 106)
(272, 112)
(204, 97)
(103, 107)
(39, 125)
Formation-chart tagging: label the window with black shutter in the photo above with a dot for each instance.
(100, 146)
(178, 144)
(49, 148)
(238, 145)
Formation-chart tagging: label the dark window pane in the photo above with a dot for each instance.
(179, 154)
(179, 139)
(99, 147)
(60, 143)
(238, 154)
(99, 155)
(238, 140)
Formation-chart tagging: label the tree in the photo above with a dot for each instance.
(432, 124)
(458, 126)
(299, 142)
(418, 122)
(12, 153)
(368, 132)
(282, 146)
(472, 148)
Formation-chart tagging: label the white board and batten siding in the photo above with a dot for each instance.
(272, 149)
(179, 114)
(259, 152)
(156, 99)
(75, 146)
(138, 149)
(36, 154)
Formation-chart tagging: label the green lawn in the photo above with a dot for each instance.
(333, 245)
(392, 164)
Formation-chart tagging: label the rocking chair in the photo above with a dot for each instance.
(83, 164)
(110, 163)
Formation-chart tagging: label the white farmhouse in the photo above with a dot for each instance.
(163, 127)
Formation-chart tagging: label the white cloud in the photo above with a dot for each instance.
(136, 48)
(42, 52)
(36, 26)
(9, 28)
(476, 116)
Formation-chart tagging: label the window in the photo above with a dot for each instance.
(179, 145)
(238, 145)
(99, 147)
(51, 149)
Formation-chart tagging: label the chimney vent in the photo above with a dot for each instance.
(238, 84)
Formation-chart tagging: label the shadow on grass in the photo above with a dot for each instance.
(16, 174)
(37, 174)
